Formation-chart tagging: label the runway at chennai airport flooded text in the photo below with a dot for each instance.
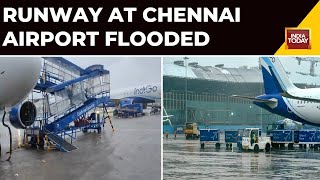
(184, 159)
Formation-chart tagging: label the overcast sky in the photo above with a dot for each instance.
(125, 71)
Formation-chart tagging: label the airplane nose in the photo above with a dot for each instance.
(20, 75)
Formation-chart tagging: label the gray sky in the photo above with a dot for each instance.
(125, 71)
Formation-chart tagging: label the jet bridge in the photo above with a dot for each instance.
(70, 97)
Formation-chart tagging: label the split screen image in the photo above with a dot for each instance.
(150, 117)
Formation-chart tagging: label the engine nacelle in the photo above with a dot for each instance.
(23, 115)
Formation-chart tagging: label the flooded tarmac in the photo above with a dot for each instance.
(184, 159)
(131, 152)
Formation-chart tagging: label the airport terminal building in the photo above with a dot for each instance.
(202, 94)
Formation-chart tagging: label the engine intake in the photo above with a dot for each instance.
(23, 115)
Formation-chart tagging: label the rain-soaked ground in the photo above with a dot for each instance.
(131, 152)
(184, 159)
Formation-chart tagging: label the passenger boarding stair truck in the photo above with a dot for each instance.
(69, 99)
(252, 140)
(191, 130)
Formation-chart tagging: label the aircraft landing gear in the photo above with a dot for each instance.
(4, 124)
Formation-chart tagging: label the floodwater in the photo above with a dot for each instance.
(133, 151)
(184, 159)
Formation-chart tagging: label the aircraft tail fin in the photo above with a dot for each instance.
(269, 85)
(275, 77)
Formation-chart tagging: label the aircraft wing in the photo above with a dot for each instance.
(142, 99)
(292, 96)
(255, 99)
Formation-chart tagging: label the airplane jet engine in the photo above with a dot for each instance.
(23, 115)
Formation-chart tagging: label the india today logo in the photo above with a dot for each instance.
(298, 38)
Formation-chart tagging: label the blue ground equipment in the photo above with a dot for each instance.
(283, 132)
(129, 109)
(309, 136)
(209, 136)
(231, 136)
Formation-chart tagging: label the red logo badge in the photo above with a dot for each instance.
(297, 38)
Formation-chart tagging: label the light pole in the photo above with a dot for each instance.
(186, 86)
(261, 89)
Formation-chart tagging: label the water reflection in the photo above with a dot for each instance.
(186, 160)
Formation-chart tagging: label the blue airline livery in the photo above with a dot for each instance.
(282, 97)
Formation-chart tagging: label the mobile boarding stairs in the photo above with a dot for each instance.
(73, 99)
